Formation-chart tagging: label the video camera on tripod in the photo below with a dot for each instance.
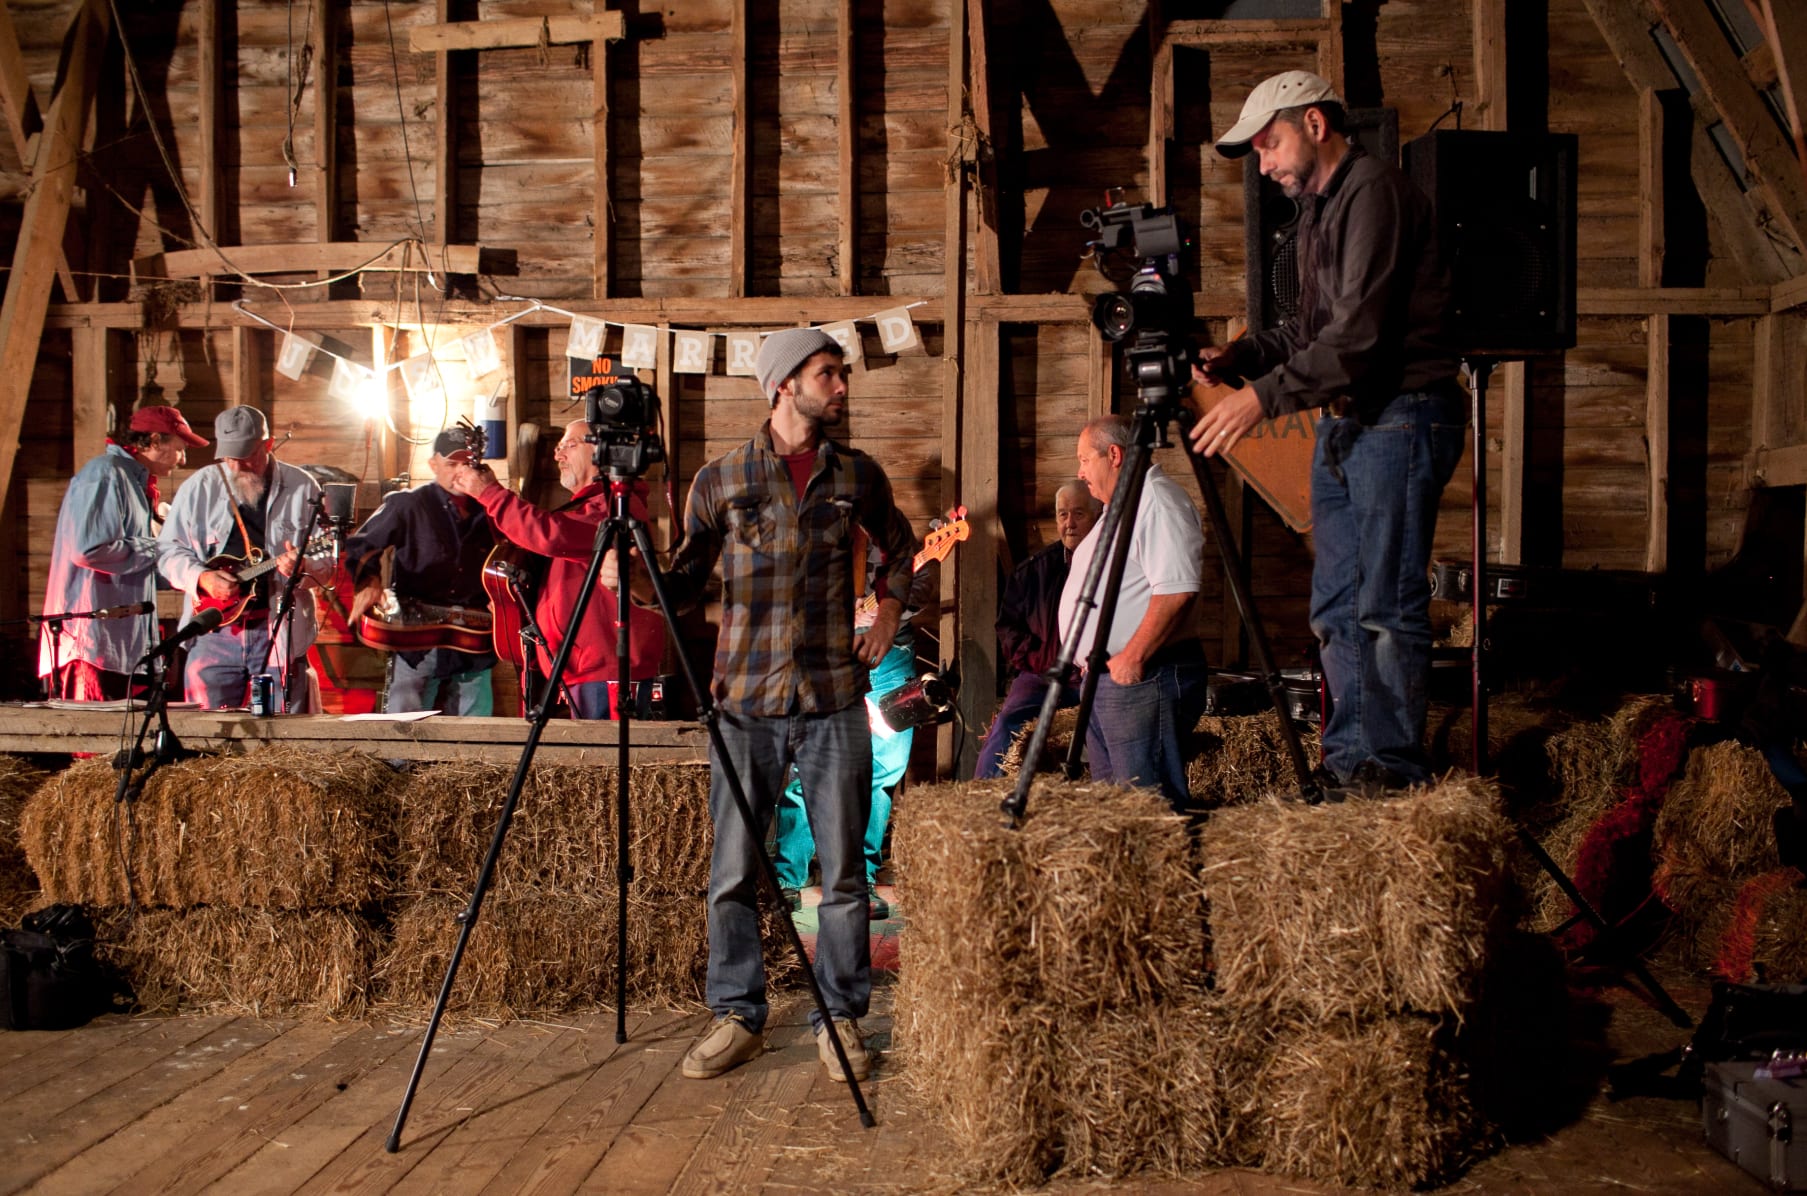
(1154, 312)
(623, 414)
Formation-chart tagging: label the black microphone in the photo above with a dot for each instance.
(126, 611)
(200, 625)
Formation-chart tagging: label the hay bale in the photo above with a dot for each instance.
(285, 829)
(1379, 1103)
(1726, 930)
(553, 952)
(1054, 750)
(1716, 821)
(1242, 758)
(562, 836)
(263, 963)
(1358, 908)
(1519, 728)
(18, 883)
(1093, 903)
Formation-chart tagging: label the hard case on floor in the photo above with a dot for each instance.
(1753, 1123)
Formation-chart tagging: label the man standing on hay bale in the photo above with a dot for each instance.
(105, 555)
(1153, 691)
(1029, 626)
(780, 513)
(245, 508)
(440, 540)
(568, 536)
(1371, 351)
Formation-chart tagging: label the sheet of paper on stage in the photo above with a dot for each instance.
(406, 716)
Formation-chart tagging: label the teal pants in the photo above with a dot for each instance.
(795, 846)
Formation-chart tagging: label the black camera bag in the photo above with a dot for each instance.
(49, 978)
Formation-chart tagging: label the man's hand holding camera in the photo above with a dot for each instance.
(1231, 417)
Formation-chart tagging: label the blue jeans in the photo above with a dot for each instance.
(794, 846)
(833, 753)
(1022, 704)
(1136, 736)
(595, 699)
(424, 687)
(1374, 496)
(218, 673)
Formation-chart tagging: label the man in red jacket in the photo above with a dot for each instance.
(568, 535)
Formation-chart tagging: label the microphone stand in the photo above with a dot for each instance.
(282, 614)
(56, 621)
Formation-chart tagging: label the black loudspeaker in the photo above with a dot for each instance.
(1270, 222)
(1506, 219)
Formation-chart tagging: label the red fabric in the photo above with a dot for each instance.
(150, 482)
(1600, 873)
(801, 466)
(1736, 958)
(568, 536)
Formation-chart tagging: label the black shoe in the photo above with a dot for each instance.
(1330, 787)
(1373, 779)
(792, 898)
(877, 908)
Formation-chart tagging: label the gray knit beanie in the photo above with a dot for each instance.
(782, 354)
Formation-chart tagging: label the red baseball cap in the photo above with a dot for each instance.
(164, 418)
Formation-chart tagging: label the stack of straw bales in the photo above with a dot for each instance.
(1054, 996)
(1232, 758)
(1716, 859)
(18, 883)
(248, 883)
(546, 937)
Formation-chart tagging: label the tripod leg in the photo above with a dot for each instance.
(468, 919)
(768, 875)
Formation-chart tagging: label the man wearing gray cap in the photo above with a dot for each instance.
(780, 513)
(1370, 350)
(245, 507)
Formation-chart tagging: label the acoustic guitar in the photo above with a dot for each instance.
(398, 623)
(248, 574)
(512, 577)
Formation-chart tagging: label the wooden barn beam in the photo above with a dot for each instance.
(25, 122)
(39, 245)
(514, 32)
(93, 363)
(847, 138)
(602, 215)
(1651, 248)
(1768, 161)
(1490, 63)
(972, 583)
(1785, 34)
(326, 122)
(1160, 113)
(211, 55)
(308, 257)
(987, 265)
(1626, 26)
(740, 188)
(445, 135)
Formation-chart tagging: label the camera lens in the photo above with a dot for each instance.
(1114, 315)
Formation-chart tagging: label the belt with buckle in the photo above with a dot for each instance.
(1337, 408)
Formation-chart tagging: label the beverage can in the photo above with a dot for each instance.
(263, 696)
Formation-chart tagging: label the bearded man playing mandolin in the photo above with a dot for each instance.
(433, 615)
(245, 516)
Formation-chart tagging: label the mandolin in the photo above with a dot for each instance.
(247, 573)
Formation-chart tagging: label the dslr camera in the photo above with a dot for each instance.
(1152, 315)
(623, 416)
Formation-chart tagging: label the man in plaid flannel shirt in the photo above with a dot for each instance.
(780, 513)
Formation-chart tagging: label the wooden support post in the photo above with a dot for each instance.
(1785, 30)
(90, 378)
(25, 122)
(393, 452)
(40, 240)
(1514, 440)
(740, 189)
(211, 54)
(1160, 114)
(247, 370)
(1490, 63)
(602, 217)
(1656, 435)
(445, 138)
(847, 136)
(1650, 188)
(987, 265)
(517, 402)
(326, 122)
(960, 623)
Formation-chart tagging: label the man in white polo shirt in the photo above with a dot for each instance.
(1153, 691)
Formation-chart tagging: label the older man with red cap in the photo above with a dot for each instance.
(103, 562)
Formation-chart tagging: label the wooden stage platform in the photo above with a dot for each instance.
(234, 1105)
(35, 727)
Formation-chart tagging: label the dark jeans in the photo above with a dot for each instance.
(1137, 734)
(833, 755)
(1022, 703)
(1374, 497)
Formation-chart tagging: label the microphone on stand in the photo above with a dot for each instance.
(201, 624)
(126, 611)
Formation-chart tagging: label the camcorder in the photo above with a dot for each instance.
(623, 416)
(1152, 315)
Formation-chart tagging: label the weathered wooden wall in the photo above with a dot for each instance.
(804, 151)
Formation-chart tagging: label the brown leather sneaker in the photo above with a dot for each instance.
(726, 1045)
(858, 1057)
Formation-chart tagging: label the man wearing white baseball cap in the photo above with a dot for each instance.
(1370, 350)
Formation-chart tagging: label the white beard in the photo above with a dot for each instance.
(249, 488)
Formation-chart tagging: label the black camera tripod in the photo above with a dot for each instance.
(1149, 424)
(621, 529)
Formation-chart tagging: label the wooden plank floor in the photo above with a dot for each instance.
(197, 1105)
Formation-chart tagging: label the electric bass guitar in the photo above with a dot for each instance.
(936, 546)
(401, 624)
(248, 572)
